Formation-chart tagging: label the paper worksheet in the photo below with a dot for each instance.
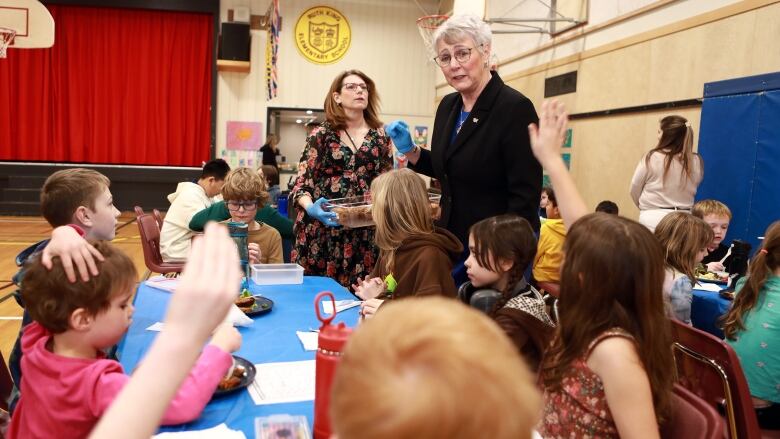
(276, 383)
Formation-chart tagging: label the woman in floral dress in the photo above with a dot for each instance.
(342, 156)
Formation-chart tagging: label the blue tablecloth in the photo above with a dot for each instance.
(706, 309)
(270, 339)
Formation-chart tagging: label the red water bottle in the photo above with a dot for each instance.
(329, 347)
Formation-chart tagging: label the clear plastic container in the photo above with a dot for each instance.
(277, 274)
(354, 212)
(282, 426)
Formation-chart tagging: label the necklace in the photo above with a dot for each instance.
(351, 140)
(461, 119)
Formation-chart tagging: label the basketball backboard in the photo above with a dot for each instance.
(31, 20)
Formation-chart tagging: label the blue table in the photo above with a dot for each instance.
(270, 339)
(706, 310)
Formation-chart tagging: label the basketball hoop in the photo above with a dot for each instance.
(6, 38)
(427, 25)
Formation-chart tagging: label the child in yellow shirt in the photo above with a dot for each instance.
(549, 253)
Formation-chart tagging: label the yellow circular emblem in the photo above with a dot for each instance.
(322, 35)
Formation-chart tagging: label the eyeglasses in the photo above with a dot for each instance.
(351, 86)
(460, 55)
(235, 206)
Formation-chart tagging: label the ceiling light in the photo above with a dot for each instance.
(309, 112)
(298, 121)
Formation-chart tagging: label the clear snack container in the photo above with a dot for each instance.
(282, 426)
(277, 274)
(354, 212)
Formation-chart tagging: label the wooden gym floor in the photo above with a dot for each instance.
(18, 233)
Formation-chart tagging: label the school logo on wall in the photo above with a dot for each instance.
(322, 35)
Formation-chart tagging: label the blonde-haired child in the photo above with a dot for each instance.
(244, 192)
(684, 238)
(415, 257)
(718, 216)
(68, 381)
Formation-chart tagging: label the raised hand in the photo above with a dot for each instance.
(209, 284)
(547, 138)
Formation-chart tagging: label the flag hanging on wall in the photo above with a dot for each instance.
(272, 50)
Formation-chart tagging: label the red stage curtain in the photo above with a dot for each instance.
(121, 86)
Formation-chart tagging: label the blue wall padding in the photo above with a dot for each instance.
(740, 144)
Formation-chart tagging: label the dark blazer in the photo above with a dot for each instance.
(489, 168)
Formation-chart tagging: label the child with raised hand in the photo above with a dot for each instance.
(684, 239)
(752, 328)
(68, 381)
(606, 373)
(415, 257)
(500, 249)
(206, 290)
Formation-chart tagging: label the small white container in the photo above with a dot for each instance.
(277, 274)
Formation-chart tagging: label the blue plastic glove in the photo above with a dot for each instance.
(399, 132)
(315, 210)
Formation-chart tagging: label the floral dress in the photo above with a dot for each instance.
(578, 408)
(334, 171)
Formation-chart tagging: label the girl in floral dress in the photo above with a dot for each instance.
(608, 372)
(342, 157)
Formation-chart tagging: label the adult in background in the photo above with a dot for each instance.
(667, 177)
(270, 151)
(342, 156)
(480, 150)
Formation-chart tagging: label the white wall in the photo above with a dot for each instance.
(292, 137)
(385, 45)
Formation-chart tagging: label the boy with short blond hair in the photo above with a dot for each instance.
(68, 381)
(244, 191)
(718, 216)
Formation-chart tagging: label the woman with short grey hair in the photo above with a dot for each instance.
(480, 151)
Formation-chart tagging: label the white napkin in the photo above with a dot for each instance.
(220, 431)
(163, 283)
(704, 286)
(309, 339)
(341, 305)
(235, 317)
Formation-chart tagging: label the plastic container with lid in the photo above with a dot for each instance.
(277, 274)
(354, 212)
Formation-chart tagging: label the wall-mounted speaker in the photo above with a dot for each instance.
(234, 42)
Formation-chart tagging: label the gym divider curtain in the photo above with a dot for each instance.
(121, 86)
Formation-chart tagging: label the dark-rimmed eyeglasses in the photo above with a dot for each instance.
(461, 56)
(352, 86)
(235, 206)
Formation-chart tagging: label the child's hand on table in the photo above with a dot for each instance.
(370, 288)
(227, 338)
(254, 253)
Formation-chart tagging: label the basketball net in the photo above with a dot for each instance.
(427, 25)
(6, 38)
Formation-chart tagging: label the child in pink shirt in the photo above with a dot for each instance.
(68, 381)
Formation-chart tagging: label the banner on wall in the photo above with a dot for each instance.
(322, 35)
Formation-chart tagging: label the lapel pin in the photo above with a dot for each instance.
(475, 120)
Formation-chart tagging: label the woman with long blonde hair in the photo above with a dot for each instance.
(667, 177)
(415, 257)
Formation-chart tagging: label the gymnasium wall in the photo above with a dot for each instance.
(385, 45)
(637, 53)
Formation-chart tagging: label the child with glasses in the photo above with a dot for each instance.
(244, 191)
